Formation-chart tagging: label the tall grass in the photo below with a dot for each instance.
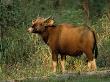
(26, 55)
(102, 28)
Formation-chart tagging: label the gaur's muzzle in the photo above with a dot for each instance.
(30, 30)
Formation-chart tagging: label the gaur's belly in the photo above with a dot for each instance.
(70, 51)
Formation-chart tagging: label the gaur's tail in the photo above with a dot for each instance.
(95, 48)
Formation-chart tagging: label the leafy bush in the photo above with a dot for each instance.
(25, 55)
(103, 31)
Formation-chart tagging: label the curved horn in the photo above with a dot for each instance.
(48, 18)
(38, 15)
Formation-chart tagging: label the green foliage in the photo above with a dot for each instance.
(103, 32)
(26, 55)
(68, 79)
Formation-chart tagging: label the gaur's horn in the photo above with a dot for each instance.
(48, 18)
(38, 15)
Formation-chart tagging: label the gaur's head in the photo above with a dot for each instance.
(40, 24)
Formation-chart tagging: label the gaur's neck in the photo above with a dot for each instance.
(45, 36)
(46, 33)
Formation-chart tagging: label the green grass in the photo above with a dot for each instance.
(69, 79)
(25, 55)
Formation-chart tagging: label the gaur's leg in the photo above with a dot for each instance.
(54, 61)
(91, 60)
(63, 58)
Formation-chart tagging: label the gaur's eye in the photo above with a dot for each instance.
(33, 26)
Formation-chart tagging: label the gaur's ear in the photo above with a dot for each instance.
(33, 21)
(49, 21)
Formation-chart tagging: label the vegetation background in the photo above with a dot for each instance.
(26, 55)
